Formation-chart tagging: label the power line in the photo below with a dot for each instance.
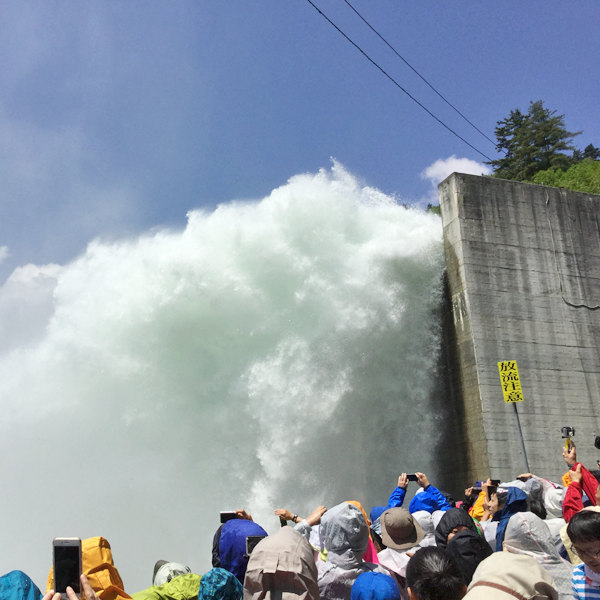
(394, 81)
(417, 72)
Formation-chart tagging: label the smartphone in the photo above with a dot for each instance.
(282, 522)
(252, 541)
(490, 491)
(67, 565)
(411, 477)
(495, 482)
(227, 515)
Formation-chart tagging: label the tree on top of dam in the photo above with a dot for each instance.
(536, 145)
(533, 142)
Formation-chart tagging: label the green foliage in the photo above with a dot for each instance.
(436, 210)
(590, 152)
(534, 142)
(582, 177)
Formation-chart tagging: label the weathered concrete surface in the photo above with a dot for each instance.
(523, 269)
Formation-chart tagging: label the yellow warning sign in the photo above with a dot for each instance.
(511, 384)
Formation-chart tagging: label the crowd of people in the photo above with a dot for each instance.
(524, 539)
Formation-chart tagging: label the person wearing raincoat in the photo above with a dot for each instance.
(453, 521)
(528, 534)
(344, 536)
(504, 505)
(282, 567)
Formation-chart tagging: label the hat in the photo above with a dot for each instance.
(168, 571)
(374, 586)
(399, 530)
(505, 576)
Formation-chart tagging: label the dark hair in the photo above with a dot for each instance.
(501, 499)
(448, 497)
(433, 573)
(377, 539)
(536, 503)
(584, 526)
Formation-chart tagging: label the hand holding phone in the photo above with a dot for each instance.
(89, 593)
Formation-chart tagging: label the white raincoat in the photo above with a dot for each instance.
(344, 536)
(528, 534)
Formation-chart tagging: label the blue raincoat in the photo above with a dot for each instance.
(18, 586)
(232, 545)
(430, 500)
(516, 501)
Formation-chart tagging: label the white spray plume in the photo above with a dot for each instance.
(273, 354)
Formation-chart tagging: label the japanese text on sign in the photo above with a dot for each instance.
(511, 384)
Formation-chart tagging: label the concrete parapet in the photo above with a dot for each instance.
(523, 271)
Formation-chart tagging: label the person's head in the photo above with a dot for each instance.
(505, 576)
(536, 499)
(399, 529)
(433, 573)
(232, 545)
(219, 584)
(584, 532)
(163, 573)
(425, 520)
(469, 549)
(282, 567)
(453, 521)
(498, 500)
(344, 532)
(526, 533)
(374, 586)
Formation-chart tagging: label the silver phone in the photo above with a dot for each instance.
(66, 554)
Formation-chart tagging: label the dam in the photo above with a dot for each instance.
(522, 284)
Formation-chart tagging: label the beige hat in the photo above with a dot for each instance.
(506, 576)
(399, 530)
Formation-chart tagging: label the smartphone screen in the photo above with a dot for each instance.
(252, 541)
(227, 515)
(67, 565)
(412, 477)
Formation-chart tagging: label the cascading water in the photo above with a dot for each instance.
(273, 354)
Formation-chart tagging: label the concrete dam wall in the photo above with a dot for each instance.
(523, 283)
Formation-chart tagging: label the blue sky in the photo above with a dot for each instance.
(118, 117)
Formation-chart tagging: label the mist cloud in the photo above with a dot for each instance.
(440, 169)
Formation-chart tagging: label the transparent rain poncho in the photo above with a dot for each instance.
(528, 534)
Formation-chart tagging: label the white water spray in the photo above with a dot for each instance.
(273, 354)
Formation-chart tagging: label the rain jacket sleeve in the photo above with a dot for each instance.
(397, 498)
(573, 501)
(438, 497)
(304, 528)
(477, 509)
